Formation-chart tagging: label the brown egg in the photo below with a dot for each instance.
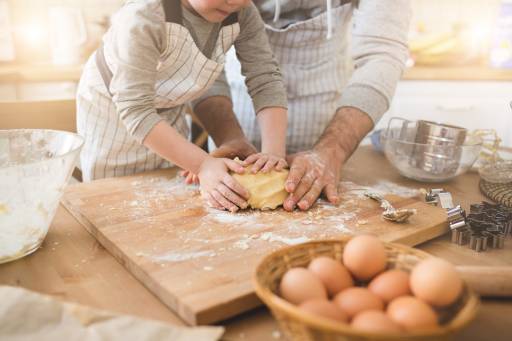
(390, 285)
(375, 321)
(355, 300)
(436, 281)
(412, 314)
(299, 285)
(332, 273)
(364, 256)
(325, 309)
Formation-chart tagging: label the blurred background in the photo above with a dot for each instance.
(459, 70)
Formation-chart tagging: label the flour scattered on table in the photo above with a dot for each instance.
(242, 243)
(276, 334)
(169, 207)
(342, 228)
(181, 256)
(271, 237)
(226, 217)
(382, 187)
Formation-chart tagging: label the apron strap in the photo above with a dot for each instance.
(214, 34)
(103, 68)
(173, 14)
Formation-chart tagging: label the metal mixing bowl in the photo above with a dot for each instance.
(35, 166)
(434, 160)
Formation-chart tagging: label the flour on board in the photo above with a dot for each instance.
(218, 232)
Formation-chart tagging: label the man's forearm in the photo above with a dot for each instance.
(218, 118)
(345, 131)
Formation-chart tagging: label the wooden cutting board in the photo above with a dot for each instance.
(199, 261)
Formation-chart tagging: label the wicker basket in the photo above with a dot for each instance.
(300, 326)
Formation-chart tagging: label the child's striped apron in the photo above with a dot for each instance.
(109, 149)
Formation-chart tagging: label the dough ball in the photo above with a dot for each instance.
(266, 189)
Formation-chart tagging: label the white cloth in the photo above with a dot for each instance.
(27, 316)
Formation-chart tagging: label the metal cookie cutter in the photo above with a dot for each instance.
(489, 224)
(486, 226)
(437, 196)
(456, 217)
(478, 242)
(461, 235)
(431, 195)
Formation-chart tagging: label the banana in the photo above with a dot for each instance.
(429, 40)
(447, 46)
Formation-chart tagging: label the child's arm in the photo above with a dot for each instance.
(266, 87)
(217, 186)
(136, 41)
(273, 122)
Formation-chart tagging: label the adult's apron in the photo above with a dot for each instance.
(315, 70)
(184, 72)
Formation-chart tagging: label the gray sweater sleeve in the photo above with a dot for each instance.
(379, 51)
(133, 45)
(262, 75)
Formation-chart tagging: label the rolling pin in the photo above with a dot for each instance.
(488, 281)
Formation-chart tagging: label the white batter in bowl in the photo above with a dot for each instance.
(35, 166)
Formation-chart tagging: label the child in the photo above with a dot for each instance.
(157, 56)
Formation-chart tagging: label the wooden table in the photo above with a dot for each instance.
(72, 266)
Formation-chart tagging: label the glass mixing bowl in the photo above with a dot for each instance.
(428, 162)
(35, 166)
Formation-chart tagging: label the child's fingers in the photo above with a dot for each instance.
(223, 201)
(211, 201)
(234, 186)
(231, 196)
(189, 179)
(234, 166)
(281, 164)
(195, 179)
(183, 173)
(271, 163)
(259, 164)
(251, 159)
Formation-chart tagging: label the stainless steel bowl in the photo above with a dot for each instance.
(427, 151)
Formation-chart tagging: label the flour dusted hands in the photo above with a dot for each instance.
(265, 162)
(218, 188)
(311, 173)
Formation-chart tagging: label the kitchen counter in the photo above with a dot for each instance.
(40, 73)
(49, 72)
(456, 73)
(73, 266)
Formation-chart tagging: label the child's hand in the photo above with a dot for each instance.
(218, 188)
(265, 162)
(190, 178)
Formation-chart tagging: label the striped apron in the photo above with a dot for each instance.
(315, 69)
(184, 72)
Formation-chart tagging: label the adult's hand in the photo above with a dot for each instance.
(311, 173)
(238, 147)
(319, 170)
